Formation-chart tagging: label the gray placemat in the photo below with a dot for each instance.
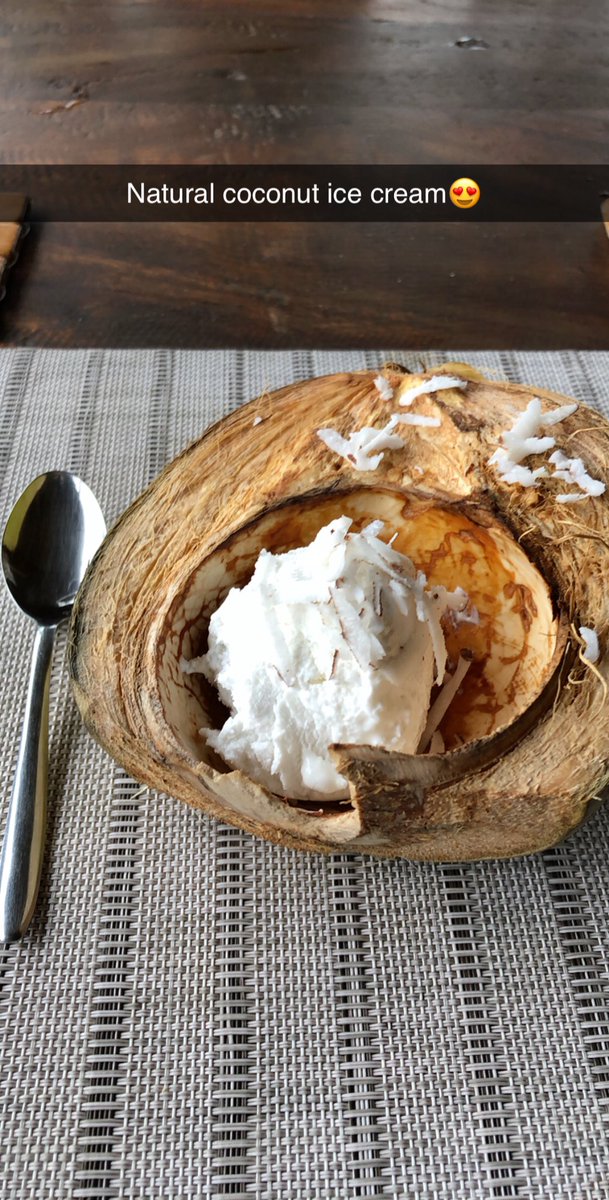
(198, 1014)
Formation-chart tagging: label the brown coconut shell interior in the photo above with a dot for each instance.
(513, 650)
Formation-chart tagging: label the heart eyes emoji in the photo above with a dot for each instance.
(464, 193)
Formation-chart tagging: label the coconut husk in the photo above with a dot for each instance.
(527, 737)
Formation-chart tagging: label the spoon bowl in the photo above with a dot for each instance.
(50, 537)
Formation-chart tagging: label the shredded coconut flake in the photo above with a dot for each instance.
(418, 419)
(560, 414)
(591, 651)
(358, 447)
(523, 439)
(436, 384)
(383, 387)
(364, 447)
(436, 745)
(373, 529)
(513, 472)
(443, 702)
(572, 470)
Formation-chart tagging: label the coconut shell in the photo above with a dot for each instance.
(527, 737)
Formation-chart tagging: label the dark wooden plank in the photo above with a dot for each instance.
(298, 81)
(147, 81)
(318, 285)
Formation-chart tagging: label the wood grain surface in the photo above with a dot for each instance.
(350, 81)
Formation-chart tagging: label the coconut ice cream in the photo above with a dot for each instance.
(339, 641)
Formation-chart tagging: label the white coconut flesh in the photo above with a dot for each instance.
(511, 652)
(337, 641)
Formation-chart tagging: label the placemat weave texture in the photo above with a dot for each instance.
(195, 1013)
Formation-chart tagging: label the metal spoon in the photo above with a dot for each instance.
(50, 537)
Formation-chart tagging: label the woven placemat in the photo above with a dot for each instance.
(198, 1014)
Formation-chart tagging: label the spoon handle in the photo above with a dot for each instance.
(23, 844)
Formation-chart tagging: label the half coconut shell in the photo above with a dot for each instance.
(527, 740)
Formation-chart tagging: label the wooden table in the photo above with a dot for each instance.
(347, 81)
